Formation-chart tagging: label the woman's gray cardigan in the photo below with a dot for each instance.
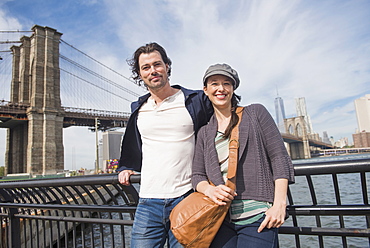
(263, 157)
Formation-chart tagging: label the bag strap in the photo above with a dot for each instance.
(233, 151)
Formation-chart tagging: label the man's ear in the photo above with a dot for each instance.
(167, 68)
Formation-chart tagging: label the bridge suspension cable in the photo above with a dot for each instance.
(11, 32)
(97, 86)
(88, 83)
(15, 31)
(9, 42)
(98, 62)
(98, 76)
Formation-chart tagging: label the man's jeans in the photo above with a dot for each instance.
(152, 226)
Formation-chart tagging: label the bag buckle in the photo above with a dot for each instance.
(233, 146)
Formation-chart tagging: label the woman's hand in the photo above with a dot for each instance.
(220, 194)
(275, 216)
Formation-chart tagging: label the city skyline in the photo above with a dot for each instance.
(317, 50)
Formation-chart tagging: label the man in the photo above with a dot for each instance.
(159, 142)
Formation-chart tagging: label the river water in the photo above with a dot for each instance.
(350, 192)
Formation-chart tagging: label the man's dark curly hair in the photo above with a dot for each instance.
(148, 48)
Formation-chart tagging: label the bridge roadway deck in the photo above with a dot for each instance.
(15, 114)
(289, 138)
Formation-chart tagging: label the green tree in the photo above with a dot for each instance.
(2, 169)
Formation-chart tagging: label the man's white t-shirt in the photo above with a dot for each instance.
(167, 135)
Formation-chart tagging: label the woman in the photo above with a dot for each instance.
(258, 206)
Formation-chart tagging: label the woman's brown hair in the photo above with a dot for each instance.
(234, 117)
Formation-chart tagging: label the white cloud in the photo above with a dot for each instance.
(319, 50)
(8, 22)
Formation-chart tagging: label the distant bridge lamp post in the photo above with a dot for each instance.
(97, 146)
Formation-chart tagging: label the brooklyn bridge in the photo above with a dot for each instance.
(55, 85)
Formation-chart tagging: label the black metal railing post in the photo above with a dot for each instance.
(13, 223)
(14, 229)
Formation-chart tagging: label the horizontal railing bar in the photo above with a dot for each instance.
(66, 207)
(349, 210)
(101, 179)
(353, 166)
(352, 232)
(330, 167)
(76, 219)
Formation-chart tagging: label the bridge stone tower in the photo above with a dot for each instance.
(297, 127)
(36, 146)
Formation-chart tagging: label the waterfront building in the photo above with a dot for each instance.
(362, 136)
(361, 139)
(300, 104)
(343, 142)
(362, 106)
(280, 114)
(111, 147)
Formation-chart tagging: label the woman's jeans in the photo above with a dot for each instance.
(151, 225)
(232, 236)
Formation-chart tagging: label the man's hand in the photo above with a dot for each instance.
(124, 177)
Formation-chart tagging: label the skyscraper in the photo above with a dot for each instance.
(300, 104)
(362, 106)
(325, 138)
(280, 114)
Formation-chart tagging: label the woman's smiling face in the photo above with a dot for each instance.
(219, 90)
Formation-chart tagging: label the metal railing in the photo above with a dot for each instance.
(336, 193)
(97, 211)
(85, 211)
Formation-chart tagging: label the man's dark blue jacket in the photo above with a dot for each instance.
(200, 110)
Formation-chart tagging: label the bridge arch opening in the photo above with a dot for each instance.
(291, 130)
(299, 130)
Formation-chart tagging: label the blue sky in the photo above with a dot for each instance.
(319, 50)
